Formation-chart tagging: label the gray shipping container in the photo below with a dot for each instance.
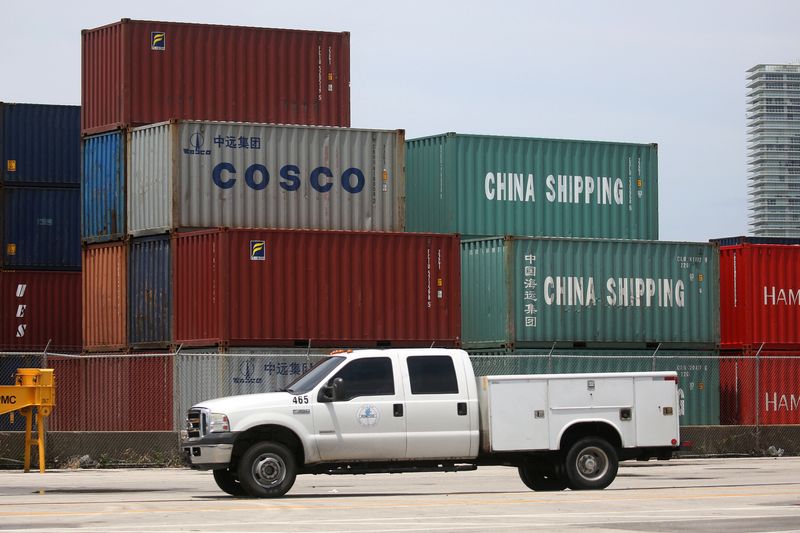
(185, 174)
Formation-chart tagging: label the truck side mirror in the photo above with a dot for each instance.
(333, 392)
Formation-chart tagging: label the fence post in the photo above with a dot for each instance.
(550, 359)
(44, 354)
(177, 416)
(758, 396)
(653, 369)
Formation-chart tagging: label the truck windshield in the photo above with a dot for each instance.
(314, 375)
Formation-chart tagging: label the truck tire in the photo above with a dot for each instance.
(228, 482)
(267, 470)
(591, 464)
(538, 480)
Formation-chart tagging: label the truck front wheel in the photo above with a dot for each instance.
(591, 464)
(267, 470)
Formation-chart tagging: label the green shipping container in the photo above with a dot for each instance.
(698, 372)
(579, 293)
(480, 186)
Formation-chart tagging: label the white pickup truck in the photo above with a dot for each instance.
(413, 410)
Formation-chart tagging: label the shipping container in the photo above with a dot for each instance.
(103, 187)
(760, 296)
(138, 72)
(9, 363)
(150, 292)
(40, 310)
(40, 145)
(105, 296)
(760, 390)
(698, 372)
(292, 287)
(201, 174)
(113, 393)
(203, 375)
(484, 186)
(40, 228)
(527, 292)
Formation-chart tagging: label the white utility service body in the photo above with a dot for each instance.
(407, 410)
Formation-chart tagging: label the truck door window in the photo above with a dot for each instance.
(371, 376)
(432, 374)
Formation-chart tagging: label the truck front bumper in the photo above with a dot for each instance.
(209, 452)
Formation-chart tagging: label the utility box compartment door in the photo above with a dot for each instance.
(657, 419)
(518, 415)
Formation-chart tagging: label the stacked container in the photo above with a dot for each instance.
(560, 256)
(39, 224)
(760, 341)
(135, 73)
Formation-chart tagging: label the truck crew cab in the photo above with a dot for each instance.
(413, 410)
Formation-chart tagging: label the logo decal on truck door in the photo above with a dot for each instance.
(368, 415)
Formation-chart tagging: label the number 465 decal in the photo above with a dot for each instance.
(300, 399)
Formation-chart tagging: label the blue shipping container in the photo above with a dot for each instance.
(40, 228)
(150, 292)
(40, 144)
(735, 241)
(103, 187)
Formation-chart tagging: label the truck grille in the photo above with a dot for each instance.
(196, 423)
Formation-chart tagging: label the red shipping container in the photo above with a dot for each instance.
(40, 307)
(763, 390)
(113, 393)
(760, 297)
(138, 72)
(332, 288)
(105, 296)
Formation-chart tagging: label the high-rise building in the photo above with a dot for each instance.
(773, 136)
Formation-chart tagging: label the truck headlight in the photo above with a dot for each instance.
(218, 422)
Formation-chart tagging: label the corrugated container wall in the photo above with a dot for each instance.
(120, 393)
(138, 72)
(698, 372)
(482, 186)
(760, 296)
(105, 296)
(38, 308)
(762, 390)
(523, 292)
(40, 228)
(289, 287)
(199, 174)
(103, 187)
(40, 145)
(149, 292)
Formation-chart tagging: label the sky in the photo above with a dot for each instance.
(671, 73)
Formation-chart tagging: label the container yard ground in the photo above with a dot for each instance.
(689, 495)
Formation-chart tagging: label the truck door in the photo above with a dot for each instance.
(438, 414)
(368, 422)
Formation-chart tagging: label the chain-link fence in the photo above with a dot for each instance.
(754, 397)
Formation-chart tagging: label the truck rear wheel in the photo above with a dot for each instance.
(228, 482)
(267, 470)
(540, 480)
(591, 464)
